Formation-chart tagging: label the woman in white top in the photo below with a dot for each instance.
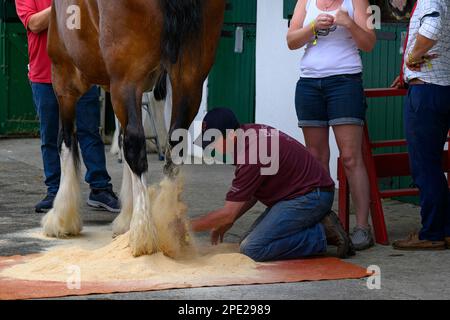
(330, 91)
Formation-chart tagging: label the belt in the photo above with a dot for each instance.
(416, 81)
(322, 189)
(326, 189)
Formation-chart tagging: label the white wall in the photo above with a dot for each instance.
(196, 127)
(277, 73)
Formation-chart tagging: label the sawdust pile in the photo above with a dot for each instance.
(169, 215)
(114, 261)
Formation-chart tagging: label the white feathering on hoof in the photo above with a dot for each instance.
(121, 224)
(64, 220)
(142, 228)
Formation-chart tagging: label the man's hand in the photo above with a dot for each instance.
(220, 221)
(213, 220)
(218, 234)
(398, 84)
(419, 55)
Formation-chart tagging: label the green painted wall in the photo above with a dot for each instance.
(240, 12)
(385, 115)
(17, 113)
(381, 66)
(8, 11)
(288, 8)
(231, 82)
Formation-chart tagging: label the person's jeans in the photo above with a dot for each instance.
(427, 121)
(87, 124)
(290, 229)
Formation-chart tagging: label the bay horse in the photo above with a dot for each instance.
(127, 47)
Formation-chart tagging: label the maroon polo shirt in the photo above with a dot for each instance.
(299, 172)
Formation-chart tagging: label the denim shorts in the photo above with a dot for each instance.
(331, 101)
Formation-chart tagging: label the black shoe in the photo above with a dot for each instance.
(46, 204)
(104, 199)
(337, 236)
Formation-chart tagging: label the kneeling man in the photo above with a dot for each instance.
(298, 221)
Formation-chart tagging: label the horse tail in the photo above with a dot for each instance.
(160, 89)
(183, 20)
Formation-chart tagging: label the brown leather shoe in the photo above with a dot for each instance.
(447, 242)
(414, 243)
(336, 236)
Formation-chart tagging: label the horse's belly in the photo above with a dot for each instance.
(80, 38)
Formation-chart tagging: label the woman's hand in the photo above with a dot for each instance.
(324, 21)
(343, 18)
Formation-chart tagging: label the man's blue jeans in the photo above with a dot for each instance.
(427, 121)
(290, 229)
(87, 124)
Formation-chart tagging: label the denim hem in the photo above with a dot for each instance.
(313, 124)
(96, 187)
(347, 121)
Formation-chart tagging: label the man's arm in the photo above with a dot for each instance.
(429, 32)
(222, 217)
(419, 55)
(39, 21)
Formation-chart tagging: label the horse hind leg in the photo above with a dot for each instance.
(64, 219)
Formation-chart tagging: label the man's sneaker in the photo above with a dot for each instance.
(46, 204)
(336, 235)
(104, 199)
(414, 243)
(362, 238)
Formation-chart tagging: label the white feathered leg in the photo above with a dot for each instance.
(64, 219)
(121, 224)
(142, 227)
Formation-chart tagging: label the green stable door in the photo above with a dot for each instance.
(231, 82)
(17, 113)
(385, 115)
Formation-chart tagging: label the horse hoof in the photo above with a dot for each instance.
(55, 226)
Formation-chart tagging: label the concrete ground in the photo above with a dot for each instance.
(404, 275)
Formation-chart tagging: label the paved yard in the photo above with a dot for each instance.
(405, 275)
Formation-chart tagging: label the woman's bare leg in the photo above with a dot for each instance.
(318, 144)
(349, 140)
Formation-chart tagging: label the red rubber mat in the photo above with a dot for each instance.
(313, 269)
